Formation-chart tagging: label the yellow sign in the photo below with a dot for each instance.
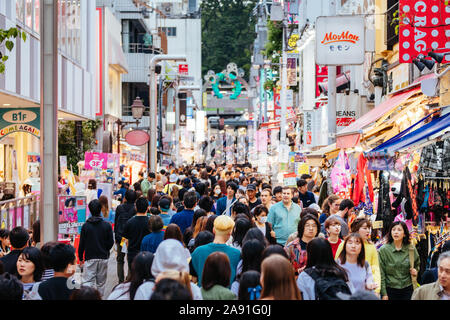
(292, 42)
(205, 99)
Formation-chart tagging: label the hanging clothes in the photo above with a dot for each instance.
(362, 176)
(340, 176)
(435, 159)
(384, 211)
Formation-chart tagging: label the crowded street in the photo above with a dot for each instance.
(225, 150)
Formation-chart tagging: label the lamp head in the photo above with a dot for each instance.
(419, 64)
(436, 56)
(428, 63)
(137, 108)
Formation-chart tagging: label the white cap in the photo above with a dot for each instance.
(173, 177)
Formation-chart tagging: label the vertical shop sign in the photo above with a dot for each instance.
(423, 27)
(292, 71)
(308, 128)
(321, 77)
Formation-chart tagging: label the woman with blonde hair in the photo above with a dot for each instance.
(278, 279)
(180, 276)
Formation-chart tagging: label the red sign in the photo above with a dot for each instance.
(344, 122)
(277, 108)
(183, 69)
(137, 137)
(423, 27)
(321, 76)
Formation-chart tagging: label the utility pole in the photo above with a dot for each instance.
(161, 92)
(332, 91)
(283, 93)
(48, 205)
(178, 90)
(153, 106)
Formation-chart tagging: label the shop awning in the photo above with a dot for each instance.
(438, 126)
(349, 137)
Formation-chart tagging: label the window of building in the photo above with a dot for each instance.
(169, 31)
(69, 19)
(27, 14)
(391, 36)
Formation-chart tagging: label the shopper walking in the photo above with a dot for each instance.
(284, 216)
(96, 241)
(395, 264)
(136, 229)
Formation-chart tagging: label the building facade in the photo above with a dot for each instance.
(20, 83)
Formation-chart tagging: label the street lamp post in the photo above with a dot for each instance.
(153, 100)
(137, 111)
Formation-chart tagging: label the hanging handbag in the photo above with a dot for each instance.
(411, 264)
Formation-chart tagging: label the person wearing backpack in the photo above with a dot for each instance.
(352, 259)
(323, 278)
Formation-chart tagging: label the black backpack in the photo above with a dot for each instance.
(326, 288)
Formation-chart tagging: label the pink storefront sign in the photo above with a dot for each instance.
(94, 160)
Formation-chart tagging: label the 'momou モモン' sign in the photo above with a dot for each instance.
(340, 40)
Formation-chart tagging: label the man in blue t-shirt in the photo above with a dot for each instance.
(184, 218)
(223, 226)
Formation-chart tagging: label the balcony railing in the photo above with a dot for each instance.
(19, 212)
(142, 48)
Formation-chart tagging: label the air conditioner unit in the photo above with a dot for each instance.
(167, 8)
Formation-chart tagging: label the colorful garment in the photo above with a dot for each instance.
(296, 251)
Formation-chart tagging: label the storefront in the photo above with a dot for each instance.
(19, 151)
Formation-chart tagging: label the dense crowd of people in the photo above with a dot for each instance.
(221, 233)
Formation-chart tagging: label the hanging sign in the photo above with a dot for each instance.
(290, 180)
(20, 120)
(340, 40)
(137, 137)
(94, 160)
(423, 27)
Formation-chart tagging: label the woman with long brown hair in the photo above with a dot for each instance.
(330, 206)
(352, 259)
(278, 279)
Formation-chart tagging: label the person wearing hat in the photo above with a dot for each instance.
(253, 201)
(223, 226)
(172, 182)
(166, 213)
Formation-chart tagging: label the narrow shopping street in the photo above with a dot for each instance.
(225, 151)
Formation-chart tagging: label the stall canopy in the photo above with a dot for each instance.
(350, 136)
(437, 126)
